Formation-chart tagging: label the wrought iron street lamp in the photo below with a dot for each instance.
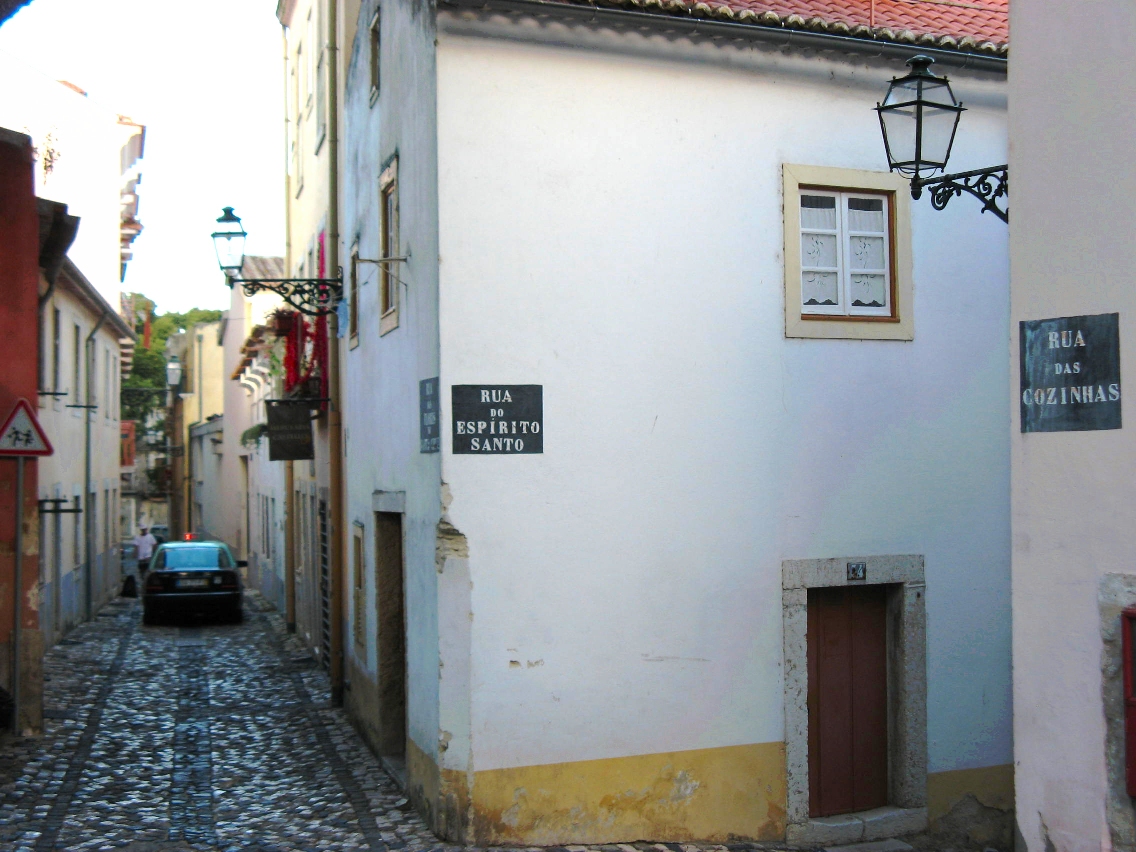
(311, 296)
(918, 119)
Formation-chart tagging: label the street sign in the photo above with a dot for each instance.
(21, 434)
(1070, 373)
(430, 440)
(498, 419)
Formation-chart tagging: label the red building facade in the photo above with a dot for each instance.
(19, 331)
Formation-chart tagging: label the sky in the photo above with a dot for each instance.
(207, 80)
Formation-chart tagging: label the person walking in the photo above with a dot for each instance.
(144, 545)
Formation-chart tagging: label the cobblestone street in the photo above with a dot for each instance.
(205, 737)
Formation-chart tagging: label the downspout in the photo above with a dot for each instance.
(188, 465)
(335, 415)
(289, 466)
(88, 522)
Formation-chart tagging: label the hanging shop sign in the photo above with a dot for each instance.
(1070, 373)
(430, 433)
(289, 430)
(498, 419)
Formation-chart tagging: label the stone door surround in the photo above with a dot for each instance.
(907, 697)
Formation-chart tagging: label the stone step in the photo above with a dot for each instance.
(874, 846)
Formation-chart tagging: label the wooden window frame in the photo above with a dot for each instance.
(321, 100)
(900, 325)
(309, 68)
(77, 367)
(57, 347)
(353, 299)
(376, 41)
(359, 586)
(389, 242)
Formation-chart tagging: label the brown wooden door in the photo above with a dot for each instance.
(847, 699)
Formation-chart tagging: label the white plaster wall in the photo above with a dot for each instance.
(610, 228)
(266, 481)
(207, 483)
(230, 523)
(381, 374)
(61, 474)
(1073, 493)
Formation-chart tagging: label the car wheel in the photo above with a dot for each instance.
(236, 614)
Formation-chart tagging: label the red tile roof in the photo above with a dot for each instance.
(970, 25)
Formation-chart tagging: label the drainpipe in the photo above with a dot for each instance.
(187, 464)
(290, 508)
(335, 414)
(88, 523)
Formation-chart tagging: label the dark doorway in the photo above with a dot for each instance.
(847, 699)
(391, 605)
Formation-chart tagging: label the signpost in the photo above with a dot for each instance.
(20, 437)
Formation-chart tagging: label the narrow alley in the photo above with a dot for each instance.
(200, 736)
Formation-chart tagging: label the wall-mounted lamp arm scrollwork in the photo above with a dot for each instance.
(990, 186)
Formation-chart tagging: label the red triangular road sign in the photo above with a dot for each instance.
(21, 434)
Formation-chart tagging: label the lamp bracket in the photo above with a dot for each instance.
(311, 296)
(987, 185)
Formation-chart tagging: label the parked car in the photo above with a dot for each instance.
(192, 578)
(161, 532)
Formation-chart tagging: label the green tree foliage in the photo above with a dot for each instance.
(149, 370)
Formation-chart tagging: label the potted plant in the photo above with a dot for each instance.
(282, 321)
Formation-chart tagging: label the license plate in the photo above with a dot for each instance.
(192, 584)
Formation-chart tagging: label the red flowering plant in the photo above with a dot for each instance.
(305, 358)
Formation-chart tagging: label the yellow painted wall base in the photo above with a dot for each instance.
(993, 786)
(440, 795)
(716, 794)
(972, 807)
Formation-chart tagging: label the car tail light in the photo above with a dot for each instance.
(228, 580)
(154, 583)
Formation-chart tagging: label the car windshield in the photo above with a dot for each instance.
(194, 557)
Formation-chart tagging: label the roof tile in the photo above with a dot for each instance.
(975, 25)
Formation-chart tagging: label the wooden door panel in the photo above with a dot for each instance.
(847, 699)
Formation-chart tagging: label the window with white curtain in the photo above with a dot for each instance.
(845, 254)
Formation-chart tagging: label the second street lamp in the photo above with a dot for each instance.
(173, 372)
(918, 119)
(311, 296)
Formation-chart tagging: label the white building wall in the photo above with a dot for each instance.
(610, 228)
(266, 503)
(381, 374)
(63, 555)
(1073, 495)
(206, 485)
